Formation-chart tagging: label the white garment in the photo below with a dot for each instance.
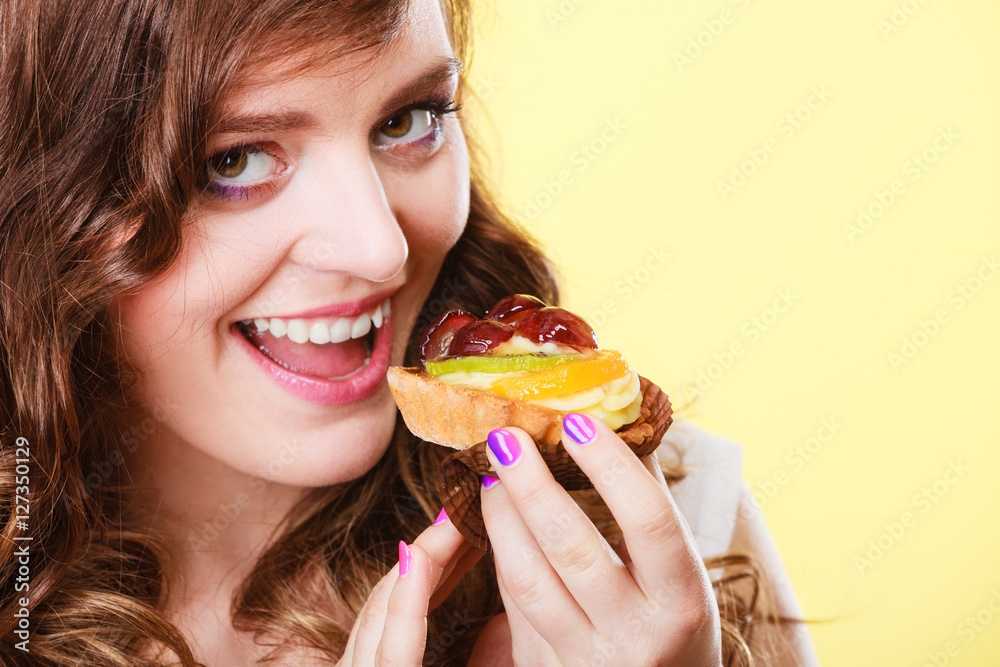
(709, 496)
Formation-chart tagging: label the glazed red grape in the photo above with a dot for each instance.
(514, 308)
(438, 335)
(556, 325)
(478, 337)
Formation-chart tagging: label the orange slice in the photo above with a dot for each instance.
(564, 379)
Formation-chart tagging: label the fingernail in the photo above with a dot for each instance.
(489, 481)
(504, 446)
(579, 428)
(441, 518)
(405, 558)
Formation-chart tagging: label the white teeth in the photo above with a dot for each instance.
(319, 334)
(340, 331)
(278, 327)
(361, 326)
(297, 331)
(321, 331)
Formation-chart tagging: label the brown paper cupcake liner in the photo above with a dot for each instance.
(459, 477)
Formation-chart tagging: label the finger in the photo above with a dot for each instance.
(578, 553)
(405, 630)
(659, 543)
(449, 552)
(493, 648)
(525, 642)
(652, 464)
(451, 576)
(534, 590)
(368, 625)
(622, 550)
(444, 546)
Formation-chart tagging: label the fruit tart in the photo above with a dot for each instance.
(523, 364)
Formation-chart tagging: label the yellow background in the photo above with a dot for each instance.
(555, 75)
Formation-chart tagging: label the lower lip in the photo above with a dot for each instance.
(329, 392)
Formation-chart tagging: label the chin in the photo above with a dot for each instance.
(332, 454)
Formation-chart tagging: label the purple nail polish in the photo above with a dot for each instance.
(489, 482)
(579, 428)
(441, 517)
(405, 558)
(504, 446)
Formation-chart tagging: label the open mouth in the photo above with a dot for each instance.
(333, 349)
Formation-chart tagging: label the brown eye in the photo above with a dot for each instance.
(407, 127)
(398, 126)
(244, 165)
(229, 164)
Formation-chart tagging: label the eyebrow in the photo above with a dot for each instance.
(287, 121)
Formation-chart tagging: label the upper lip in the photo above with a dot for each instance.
(341, 309)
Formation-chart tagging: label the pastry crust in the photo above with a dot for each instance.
(460, 417)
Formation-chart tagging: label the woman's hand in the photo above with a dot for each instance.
(570, 598)
(392, 626)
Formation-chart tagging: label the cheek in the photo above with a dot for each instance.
(432, 209)
(433, 206)
(178, 308)
(161, 315)
(170, 328)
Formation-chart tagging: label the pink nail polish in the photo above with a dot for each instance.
(441, 517)
(579, 428)
(489, 481)
(504, 446)
(405, 558)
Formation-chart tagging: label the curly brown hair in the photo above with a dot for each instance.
(106, 108)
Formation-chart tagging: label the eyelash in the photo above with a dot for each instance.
(228, 192)
(438, 106)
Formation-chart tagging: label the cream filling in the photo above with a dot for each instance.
(518, 344)
(616, 402)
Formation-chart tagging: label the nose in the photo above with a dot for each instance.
(347, 223)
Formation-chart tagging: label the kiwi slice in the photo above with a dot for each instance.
(497, 364)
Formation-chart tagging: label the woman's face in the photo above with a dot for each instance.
(335, 196)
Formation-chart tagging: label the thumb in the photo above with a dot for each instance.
(405, 630)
